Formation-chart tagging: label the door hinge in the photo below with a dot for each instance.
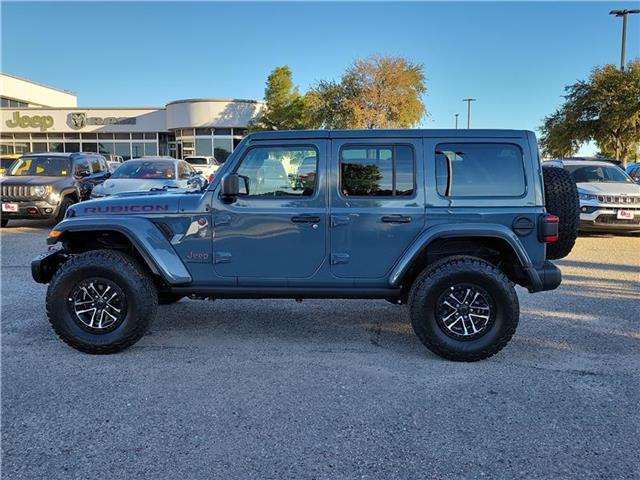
(339, 258)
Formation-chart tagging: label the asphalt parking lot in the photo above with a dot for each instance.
(328, 389)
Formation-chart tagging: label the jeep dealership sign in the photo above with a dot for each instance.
(83, 120)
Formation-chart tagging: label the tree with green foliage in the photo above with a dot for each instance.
(375, 92)
(284, 107)
(604, 109)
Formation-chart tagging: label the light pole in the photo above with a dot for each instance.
(456, 120)
(468, 100)
(623, 14)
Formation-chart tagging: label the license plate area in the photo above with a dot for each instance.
(625, 214)
(9, 207)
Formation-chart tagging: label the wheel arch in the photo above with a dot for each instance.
(494, 243)
(139, 235)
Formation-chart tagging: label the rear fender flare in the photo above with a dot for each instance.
(154, 248)
(461, 231)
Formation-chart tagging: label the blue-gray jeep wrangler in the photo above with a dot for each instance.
(446, 221)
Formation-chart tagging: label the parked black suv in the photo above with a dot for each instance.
(44, 185)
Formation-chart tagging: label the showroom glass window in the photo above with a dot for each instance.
(479, 170)
(377, 171)
(272, 172)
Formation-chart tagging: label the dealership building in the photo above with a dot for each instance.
(39, 118)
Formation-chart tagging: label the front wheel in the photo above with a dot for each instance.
(101, 301)
(463, 309)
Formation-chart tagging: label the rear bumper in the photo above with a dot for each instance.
(543, 278)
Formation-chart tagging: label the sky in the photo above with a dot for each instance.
(515, 58)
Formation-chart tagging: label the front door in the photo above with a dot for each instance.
(277, 227)
(376, 202)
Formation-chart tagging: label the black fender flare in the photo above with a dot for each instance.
(153, 246)
(460, 231)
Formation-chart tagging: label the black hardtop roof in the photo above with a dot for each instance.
(408, 133)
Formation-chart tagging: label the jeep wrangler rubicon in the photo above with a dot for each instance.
(445, 221)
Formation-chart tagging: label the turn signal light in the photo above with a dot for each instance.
(55, 233)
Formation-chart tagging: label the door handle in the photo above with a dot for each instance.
(396, 219)
(305, 219)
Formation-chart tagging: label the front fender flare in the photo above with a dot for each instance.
(465, 230)
(155, 249)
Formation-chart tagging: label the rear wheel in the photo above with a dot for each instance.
(102, 301)
(561, 200)
(463, 309)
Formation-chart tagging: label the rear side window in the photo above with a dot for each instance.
(479, 170)
(377, 171)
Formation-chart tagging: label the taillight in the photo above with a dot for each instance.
(211, 178)
(549, 228)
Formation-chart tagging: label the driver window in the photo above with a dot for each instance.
(184, 172)
(270, 172)
(82, 168)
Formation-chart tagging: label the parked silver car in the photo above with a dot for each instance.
(144, 174)
(609, 198)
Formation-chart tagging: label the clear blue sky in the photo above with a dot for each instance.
(515, 58)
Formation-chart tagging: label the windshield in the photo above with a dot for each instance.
(196, 160)
(159, 170)
(597, 173)
(41, 166)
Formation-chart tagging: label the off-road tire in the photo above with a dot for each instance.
(4, 222)
(137, 285)
(439, 277)
(65, 203)
(169, 298)
(561, 200)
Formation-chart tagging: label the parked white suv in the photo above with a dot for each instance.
(609, 198)
(207, 165)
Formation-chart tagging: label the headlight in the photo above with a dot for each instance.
(42, 190)
(586, 195)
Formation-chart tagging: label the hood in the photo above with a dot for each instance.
(134, 204)
(29, 180)
(609, 188)
(119, 185)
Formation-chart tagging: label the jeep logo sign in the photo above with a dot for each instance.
(81, 120)
(30, 121)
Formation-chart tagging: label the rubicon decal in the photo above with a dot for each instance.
(127, 209)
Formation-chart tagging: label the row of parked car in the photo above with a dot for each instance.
(45, 185)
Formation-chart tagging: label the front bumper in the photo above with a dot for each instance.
(31, 209)
(604, 218)
(44, 266)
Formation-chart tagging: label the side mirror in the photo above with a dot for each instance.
(107, 175)
(81, 174)
(199, 172)
(230, 187)
(195, 183)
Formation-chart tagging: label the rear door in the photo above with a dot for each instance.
(277, 227)
(377, 204)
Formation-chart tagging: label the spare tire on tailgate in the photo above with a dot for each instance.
(561, 200)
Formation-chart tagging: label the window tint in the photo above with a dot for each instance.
(278, 171)
(81, 168)
(479, 170)
(377, 170)
(95, 165)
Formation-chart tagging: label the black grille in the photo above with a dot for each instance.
(612, 220)
(17, 192)
(619, 199)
